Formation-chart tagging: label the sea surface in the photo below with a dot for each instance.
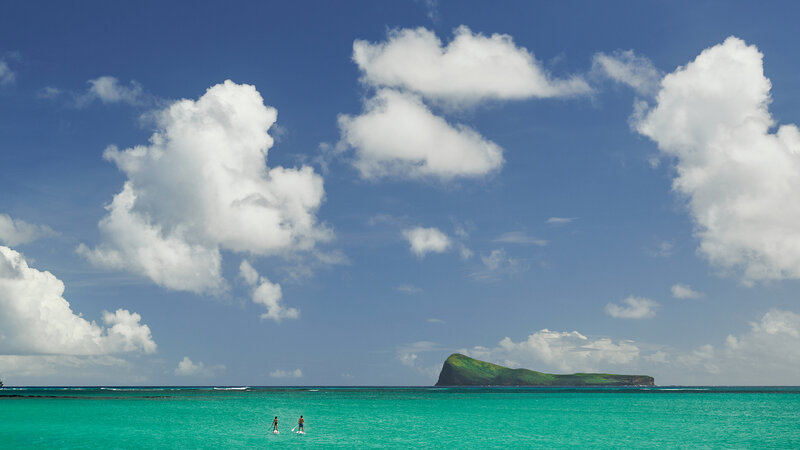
(241, 417)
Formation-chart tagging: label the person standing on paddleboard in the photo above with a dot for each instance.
(300, 424)
(275, 424)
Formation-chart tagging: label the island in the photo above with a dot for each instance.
(461, 370)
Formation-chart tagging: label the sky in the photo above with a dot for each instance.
(345, 193)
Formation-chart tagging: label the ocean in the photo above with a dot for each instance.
(369, 417)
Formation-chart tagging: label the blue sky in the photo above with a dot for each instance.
(564, 187)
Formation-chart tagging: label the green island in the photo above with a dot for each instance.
(461, 370)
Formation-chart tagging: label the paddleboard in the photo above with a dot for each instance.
(276, 432)
(301, 432)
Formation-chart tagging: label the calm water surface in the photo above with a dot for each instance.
(661, 417)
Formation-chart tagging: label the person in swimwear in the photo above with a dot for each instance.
(275, 424)
(300, 424)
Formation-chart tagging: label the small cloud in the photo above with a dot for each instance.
(561, 351)
(633, 308)
(394, 121)
(663, 249)
(379, 219)
(188, 368)
(426, 240)
(15, 232)
(409, 355)
(684, 291)
(48, 92)
(624, 66)
(497, 264)
(659, 357)
(296, 373)
(559, 220)
(472, 68)
(278, 132)
(407, 289)
(109, 90)
(461, 231)
(499, 260)
(248, 273)
(267, 294)
(432, 9)
(519, 237)
(7, 76)
(434, 320)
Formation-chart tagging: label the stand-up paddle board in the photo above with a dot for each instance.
(301, 432)
(276, 432)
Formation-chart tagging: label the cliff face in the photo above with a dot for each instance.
(460, 370)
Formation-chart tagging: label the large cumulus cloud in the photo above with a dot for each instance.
(36, 319)
(202, 185)
(741, 177)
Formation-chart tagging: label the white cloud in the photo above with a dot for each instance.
(408, 289)
(773, 343)
(767, 354)
(17, 232)
(267, 294)
(624, 66)
(432, 8)
(188, 368)
(398, 136)
(633, 308)
(470, 69)
(684, 291)
(548, 350)
(741, 180)
(519, 237)
(409, 355)
(249, 273)
(495, 259)
(662, 249)
(7, 76)
(48, 92)
(108, 90)
(36, 318)
(201, 186)
(559, 220)
(499, 264)
(461, 232)
(435, 320)
(426, 240)
(296, 373)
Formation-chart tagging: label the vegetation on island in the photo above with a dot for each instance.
(461, 370)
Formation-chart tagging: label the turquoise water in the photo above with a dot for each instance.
(401, 417)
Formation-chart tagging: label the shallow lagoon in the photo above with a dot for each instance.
(710, 417)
